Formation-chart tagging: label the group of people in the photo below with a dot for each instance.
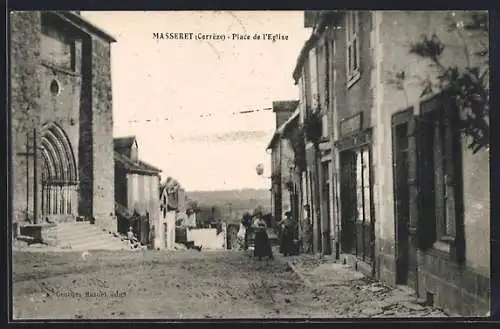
(288, 232)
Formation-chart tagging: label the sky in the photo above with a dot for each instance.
(165, 90)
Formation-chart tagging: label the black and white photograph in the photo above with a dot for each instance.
(180, 165)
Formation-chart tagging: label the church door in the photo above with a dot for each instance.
(59, 174)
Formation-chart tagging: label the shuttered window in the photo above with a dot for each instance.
(352, 46)
(440, 183)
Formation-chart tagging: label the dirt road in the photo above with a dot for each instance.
(151, 284)
(176, 285)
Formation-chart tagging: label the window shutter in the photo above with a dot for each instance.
(419, 141)
(454, 183)
(412, 175)
(449, 173)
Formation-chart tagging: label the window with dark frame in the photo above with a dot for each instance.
(326, 68)
(352, 46)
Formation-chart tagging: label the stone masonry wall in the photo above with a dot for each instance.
(85, 147)
(102, 143)
(25, 101)
(357, 97)
(393, 32)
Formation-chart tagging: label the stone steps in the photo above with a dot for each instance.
(85, 236)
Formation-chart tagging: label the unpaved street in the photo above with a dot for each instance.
(182, 284)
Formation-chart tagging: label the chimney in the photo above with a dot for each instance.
(284, 110)
(310, 18)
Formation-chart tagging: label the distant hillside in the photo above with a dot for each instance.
(232, 203)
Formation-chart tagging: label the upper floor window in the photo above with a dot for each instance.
(313, 79)
(326, 89)
(352, 38)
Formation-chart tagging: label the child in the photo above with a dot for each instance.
(131, 237)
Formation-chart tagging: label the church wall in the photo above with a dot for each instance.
(60, 63)
(64, 107)
(25, 104)
(81, 106)
(102, 128)
(85, 147)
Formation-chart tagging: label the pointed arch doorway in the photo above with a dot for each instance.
(59, 174)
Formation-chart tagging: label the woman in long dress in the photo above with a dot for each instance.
(262, 243)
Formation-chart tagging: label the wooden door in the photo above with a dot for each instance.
(326, 202)
(348, 199)
(405, 199)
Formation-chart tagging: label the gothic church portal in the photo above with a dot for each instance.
(61, 119)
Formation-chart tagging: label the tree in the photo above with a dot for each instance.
(467, 87)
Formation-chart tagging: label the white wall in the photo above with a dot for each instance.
(208, 238)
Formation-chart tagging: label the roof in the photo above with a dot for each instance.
(123, 211)
(273, 140)
(283, 128)
(78, 20)
(324, 18)
(123, 142)
(150, 167)
(139, 167)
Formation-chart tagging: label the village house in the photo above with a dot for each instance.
(409, 191)
(136, 190)
(313, 76)
(172, 202)
(282, 160)
(62, 120)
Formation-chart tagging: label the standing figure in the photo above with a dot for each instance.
(262, 243)
(288, 235)
(307, 230)
(134, 243)
(247, 224)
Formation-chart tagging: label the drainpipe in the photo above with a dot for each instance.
(35, 175)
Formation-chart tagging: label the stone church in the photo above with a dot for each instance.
(61, 140)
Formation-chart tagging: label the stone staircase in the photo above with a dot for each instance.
(86, 236)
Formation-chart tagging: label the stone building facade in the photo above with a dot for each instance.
(410, 198)
(282, 160)
(61, 119)
(136, 190)
(433, 230)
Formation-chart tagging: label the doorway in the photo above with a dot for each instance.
(406, 272)
(348, 199)
(327, 249)
(357, 219)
